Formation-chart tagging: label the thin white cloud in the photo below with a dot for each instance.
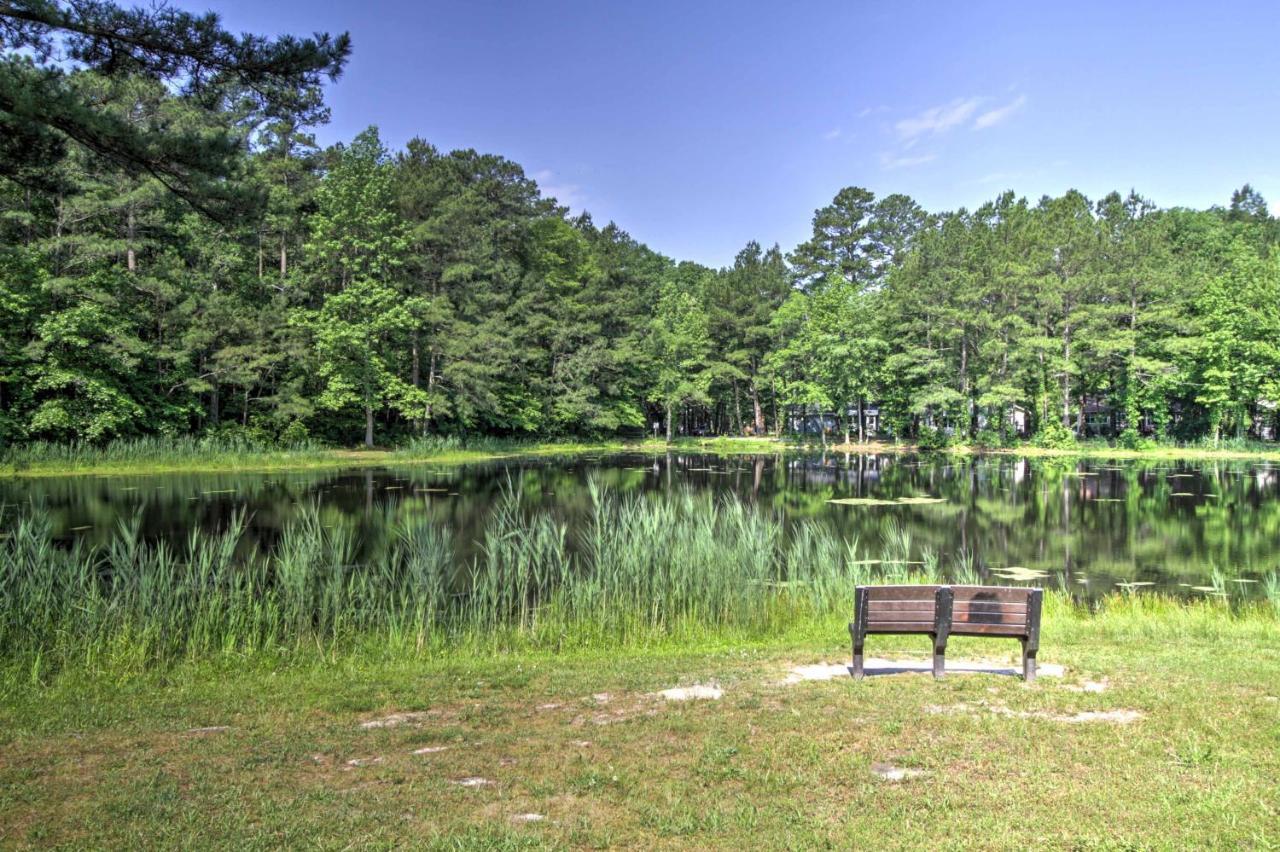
(832, 134)
(937, 119)
(994, 177)
(567, 194)
(992, 117)
(890, 161)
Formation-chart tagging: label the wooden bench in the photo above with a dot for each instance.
(943, 611)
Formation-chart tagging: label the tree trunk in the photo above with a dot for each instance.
(737, 410)
(131, 259)
(1066, 376)
(862, 437)
(757, 410)
(777, 421)
(284, 253)
(670, 424)
(368, 426)
(431, 384)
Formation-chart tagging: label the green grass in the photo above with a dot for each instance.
(206, 697)
(166, 455)
(1093, 448)
(169, 455)
(191, 454)
(98, 760)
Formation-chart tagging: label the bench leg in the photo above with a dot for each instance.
(1028, 663)
(857, 652)
(939, 659)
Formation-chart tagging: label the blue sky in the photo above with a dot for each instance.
(699, 126)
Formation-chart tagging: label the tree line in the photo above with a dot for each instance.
(178, 256)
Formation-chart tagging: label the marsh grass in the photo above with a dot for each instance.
(155, 452)
(684, 567)
(238, 453)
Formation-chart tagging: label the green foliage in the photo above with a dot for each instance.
(680, 345)
(991, 439)
(1054, 436)
(53, 48)
(933, 438)
(418, 292)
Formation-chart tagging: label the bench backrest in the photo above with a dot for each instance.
(956, 610)
(992, 610)
(904, 609)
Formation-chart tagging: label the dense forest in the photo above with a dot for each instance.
(179, 256)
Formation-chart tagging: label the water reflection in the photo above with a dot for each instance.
(1089, 525)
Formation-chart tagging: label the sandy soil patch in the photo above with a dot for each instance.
(1119, 716)
(889, 772)
(697, 692)
(472, 781)
(877, 666)
(394, 720)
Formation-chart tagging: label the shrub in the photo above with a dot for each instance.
(932, 439)
(295, 434)
(1054, 436)
(990, 439)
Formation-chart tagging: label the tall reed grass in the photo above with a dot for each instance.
(647, 568)
(240, 450)
(154, 450)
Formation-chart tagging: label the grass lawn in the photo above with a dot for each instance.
(582, 741)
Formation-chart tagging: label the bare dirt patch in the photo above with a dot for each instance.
(697, 692)
(358, 762)
(894, 774)
(1119, 716)
(395, 720)
(472, 781)
(877, 666)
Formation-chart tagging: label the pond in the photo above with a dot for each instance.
(1084, 526)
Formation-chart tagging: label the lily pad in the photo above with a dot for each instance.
(1019, 573)
(880, 501)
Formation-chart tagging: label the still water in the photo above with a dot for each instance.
(1089, 526)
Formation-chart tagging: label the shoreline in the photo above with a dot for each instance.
(217, 461)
